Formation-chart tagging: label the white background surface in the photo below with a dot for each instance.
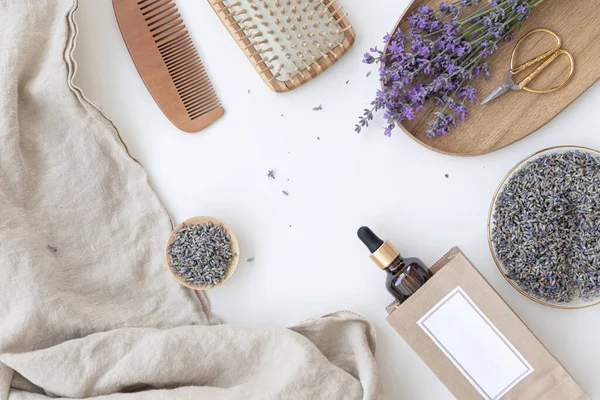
(308, 260)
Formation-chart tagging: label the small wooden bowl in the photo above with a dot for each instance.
(235, 248)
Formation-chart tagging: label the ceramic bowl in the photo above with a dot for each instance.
(575, 303)
(235, 248)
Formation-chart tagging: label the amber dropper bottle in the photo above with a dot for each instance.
(404, 275)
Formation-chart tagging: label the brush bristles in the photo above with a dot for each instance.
(180, 56)
(287, 36)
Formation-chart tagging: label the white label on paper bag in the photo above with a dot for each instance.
(475, 346)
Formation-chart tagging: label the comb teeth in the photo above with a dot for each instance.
(168, 62)
(180, 56)
(288, 41)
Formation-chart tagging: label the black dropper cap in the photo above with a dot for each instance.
(369, 238)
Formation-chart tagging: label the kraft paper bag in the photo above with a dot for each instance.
(474, 343)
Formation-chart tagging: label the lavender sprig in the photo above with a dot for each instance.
(437, 60)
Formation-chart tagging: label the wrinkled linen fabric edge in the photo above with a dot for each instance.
(6, 375)
(355, 352)
(95, 111)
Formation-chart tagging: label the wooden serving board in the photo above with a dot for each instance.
(515, 115)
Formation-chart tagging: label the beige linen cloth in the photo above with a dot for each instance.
(87, 306)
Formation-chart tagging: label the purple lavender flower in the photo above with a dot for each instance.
(488, 48)
(523, 10)
(461, 111)
(441, 125)
(388, 130)
(438, 57)
(467, 93)
(449, 9)
(368, 58)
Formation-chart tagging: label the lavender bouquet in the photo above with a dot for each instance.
(440, 56)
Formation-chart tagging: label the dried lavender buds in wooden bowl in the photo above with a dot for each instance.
(544, 227)
(202, 253)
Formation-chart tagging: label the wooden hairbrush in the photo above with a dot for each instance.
(168, 62)
(289, 42)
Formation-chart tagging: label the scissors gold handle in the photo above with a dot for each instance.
(545, 59)
(549, 56)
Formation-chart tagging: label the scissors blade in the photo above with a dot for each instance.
(500, 90)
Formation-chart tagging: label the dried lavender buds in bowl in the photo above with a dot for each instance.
(202, 253)
(544, 227)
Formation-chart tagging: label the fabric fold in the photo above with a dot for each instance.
(247, 362)
(87, 305)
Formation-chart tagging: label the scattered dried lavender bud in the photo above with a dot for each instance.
(546, 230)
(318, 108)
(447, 176)
(347, 82)
(248, 91)
(285, 193)
(318, 138)
(271, 174)
(53, 249)
(368, 74)
(250, 259)
(201, 254)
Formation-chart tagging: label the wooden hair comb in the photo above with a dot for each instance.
(168, 62)
(289, 42)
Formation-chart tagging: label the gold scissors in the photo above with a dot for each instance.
(545, 59)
